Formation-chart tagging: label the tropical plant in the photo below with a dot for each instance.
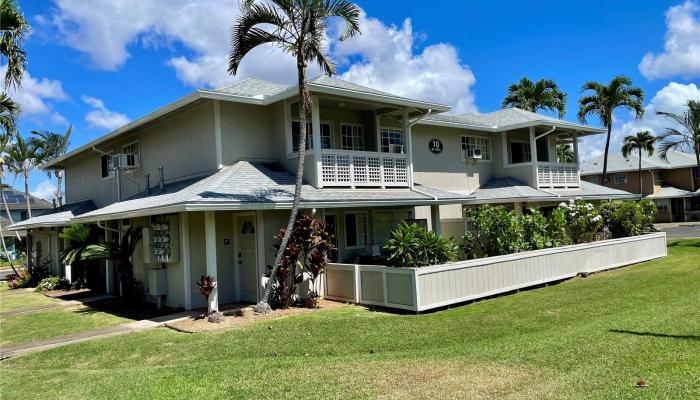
(605, 100)
(306, 252)
(80, 249)
(4, 149)
(119, 251)
(642, 142)
(536, 233)
(582, 220)
(9, 110)
(14, 30)
(298, 27)
(23, 158)
(52, 145)
(52, 283)
(541, 95)
(557, 228)
(20, 281)
(565, 154)
(627, 218)
(688, 137)
(206, 285)
(496, 230)
(413, 246)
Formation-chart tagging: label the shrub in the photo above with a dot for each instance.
(24, 280)
(649, 211)
(414, 246)
(536, 234)
(582, 220)
(628, 218)
(557, 228)
(496, 231)
(52, 283)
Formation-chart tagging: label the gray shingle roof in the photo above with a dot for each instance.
(670, 192)
(253, 88)
(618, 163)
(507, 189)
(59, 217)
(247, 185)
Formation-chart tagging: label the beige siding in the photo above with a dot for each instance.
(681, 178)
(249, 132)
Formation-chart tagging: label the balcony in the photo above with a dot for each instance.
(344, 168)
(558, 175)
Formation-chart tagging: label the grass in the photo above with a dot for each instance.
(56, 322)
(14, 299)
(587, 338)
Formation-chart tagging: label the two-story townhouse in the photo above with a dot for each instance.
(16, 212)
(673, 184)
(211, 177)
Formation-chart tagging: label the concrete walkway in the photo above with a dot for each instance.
(135, 326)
(65, 303)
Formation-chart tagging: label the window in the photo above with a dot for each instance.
(352, 137)
(471, 143)
(520, 152)
(620, 179)
(662, 206)
(391, 140)
(356, 229)
(105, 167)
(132, 153)
(325, 135)
(657, 175)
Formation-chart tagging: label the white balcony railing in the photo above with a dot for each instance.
(363, 168)
(558, 175)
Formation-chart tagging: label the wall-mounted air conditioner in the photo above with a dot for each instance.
(476, 154)
(125, 161)
(396, 148)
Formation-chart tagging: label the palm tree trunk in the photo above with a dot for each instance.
(7, 209)
(605, 157)
(7, 254)
(26, 195)
(641, 194)
(304, 109)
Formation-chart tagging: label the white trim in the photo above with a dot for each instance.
(510, 152)
(185, 260)
(461, 146)
(351, 124)
(217, 135)
(345, 235)
(111, 173)
(210, 255)
(137, 141)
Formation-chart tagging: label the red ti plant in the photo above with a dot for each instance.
(206, 285)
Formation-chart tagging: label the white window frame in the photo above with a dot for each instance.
(476, 138)
(137, 142)
(361, 136)
(510, 151)
(390, 130)
(619, 181)
(310, 134)
(357, 234)
(110, 171)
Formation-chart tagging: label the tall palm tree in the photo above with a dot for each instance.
(298, 27)
(14, 30)
(24, 156)
(565, 154)
(643, 142)
(686, 139)
(8, 114)
(4, 156)
(605, 100)
(52, 145)
(541, 95)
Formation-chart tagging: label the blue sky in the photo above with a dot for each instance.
(99, 64)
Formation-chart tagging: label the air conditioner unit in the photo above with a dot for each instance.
(125, 161)
(396, 148)
(476, 154)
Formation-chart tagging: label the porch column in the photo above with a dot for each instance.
(409, 145)
(316, 135)
(574, 136)
(504, 147)
(186, 267)
(435, 218)
(210, 246)
(533, 156)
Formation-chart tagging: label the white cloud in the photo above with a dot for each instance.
(681, 56)
(36, 97)
(671, 98)
(45, 189)
(101, 117)
(388, 61)
(106, 29)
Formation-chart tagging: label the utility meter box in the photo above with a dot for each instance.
(157, 282)
(161, 240)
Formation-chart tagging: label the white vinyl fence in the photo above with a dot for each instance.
(420, 289)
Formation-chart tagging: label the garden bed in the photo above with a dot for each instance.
(242, 314)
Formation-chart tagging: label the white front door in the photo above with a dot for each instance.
(247, 258)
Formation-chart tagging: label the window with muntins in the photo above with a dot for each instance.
(520, 152)
(470, 143)
(352, 137)
(132, 153)
(620, 179)
(356, 230)
(391, 140)
(296, 134)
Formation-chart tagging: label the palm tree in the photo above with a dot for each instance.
(605, 99)
(24, 156)
(686, 139)
(14, 30)
(120, 251)
(298, 27)
(565, 154)
(541, 95)
(81, 247)
(4, 149)
(8, 114)
(52, 145)
(643, 142)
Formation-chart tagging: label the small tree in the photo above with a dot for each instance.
(80, 241)
(206, 285)
(120, 252)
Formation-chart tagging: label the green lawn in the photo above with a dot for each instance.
(587, 338)
(15, 300)
(56, 322)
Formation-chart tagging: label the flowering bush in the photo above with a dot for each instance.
(22, 281)
(582, 220)
(52, 283)
(628, 218)
(496, 231)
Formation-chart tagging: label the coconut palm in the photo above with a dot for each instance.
(298, 27)
(642, 142)
(688, 138)
(4, 149)
(13, 33)
(605, 100)
(8, 114)
(565, 154)
(541, 95)
(23, 157)
(52, 145)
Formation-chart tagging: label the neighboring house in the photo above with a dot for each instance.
(211, 177)
(17, 205)
(673, 184)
